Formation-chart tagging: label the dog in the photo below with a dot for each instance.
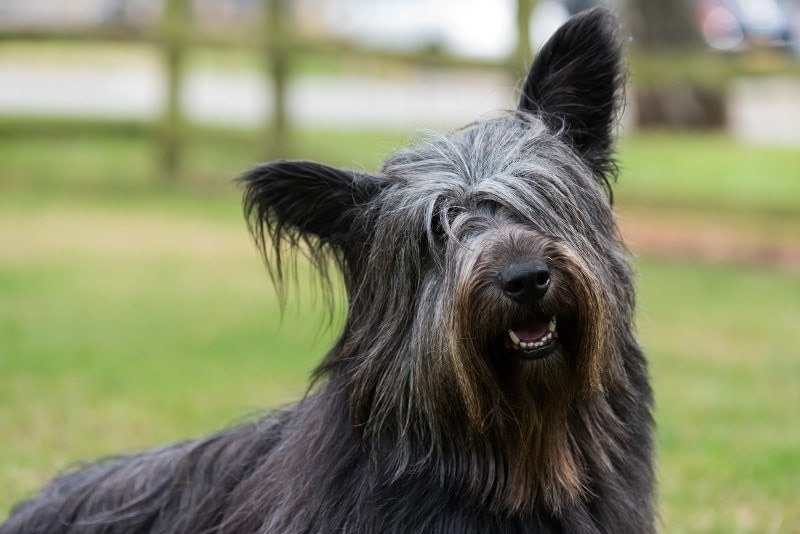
(487, 377)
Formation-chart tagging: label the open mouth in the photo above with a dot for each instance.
(533, 339)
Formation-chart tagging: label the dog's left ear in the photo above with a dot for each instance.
(575, 84)
(299, 203)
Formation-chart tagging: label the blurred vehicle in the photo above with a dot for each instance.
(734, 25)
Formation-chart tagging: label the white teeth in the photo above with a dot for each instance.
(551, 326)
(519, 344)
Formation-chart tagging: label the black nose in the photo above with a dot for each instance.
(525, 282)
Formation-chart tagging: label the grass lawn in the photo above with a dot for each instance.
(122, 328)
(725, 360)
(709, 172)
(132, 316)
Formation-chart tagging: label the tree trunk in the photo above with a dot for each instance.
(661, 25)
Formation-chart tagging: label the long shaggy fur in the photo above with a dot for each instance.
(425, 418)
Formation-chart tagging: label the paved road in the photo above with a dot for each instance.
(414, 100)
(766, 111)
(760, 111)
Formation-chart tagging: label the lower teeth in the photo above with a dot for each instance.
(534, 344)
(527, 345)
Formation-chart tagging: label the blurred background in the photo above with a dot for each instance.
(134, 310)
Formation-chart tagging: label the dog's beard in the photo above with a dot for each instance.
(518, 397)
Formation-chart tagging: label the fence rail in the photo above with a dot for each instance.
(274, 39)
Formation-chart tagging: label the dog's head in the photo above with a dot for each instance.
(485, 274)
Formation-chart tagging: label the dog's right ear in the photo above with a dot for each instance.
(576, 83)
(310, 207)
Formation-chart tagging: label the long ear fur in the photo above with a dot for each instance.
(318, 211)
(576, 85)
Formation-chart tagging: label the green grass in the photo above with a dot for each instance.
(133, 314)
(120, 329)
(725, 357)
(88, 164)
(701, 171)
(708, 172)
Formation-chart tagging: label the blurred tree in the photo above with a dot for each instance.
(661, 25)
(665, 36)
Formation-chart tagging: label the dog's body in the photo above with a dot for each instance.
(487, 378)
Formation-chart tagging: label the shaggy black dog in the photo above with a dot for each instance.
(487, 378)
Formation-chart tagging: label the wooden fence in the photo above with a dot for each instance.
(280, 47)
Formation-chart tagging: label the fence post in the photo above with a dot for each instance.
(175, 22)
(522, 53)
(277, 54)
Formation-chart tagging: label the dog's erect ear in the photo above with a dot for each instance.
(575, 84)
(308, 206)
